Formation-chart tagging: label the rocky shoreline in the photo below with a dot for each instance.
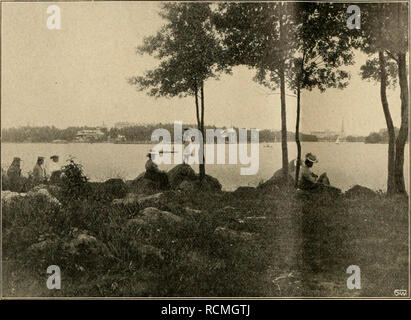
(195, 240)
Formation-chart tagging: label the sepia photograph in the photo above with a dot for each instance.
(205, 149)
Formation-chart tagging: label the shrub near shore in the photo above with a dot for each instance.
(175, 243)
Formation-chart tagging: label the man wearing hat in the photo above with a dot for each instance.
(39, 172)
(308, 179)
(54, 169)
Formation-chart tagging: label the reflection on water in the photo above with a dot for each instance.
(346, 164)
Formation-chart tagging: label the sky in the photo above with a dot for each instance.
(77, 76)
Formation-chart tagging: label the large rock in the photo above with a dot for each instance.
(154, 200)
(116, 187)
(85, 244)
(192, 213)
(210, 184)
(360, 192)
(188, 186)
(141, 201)
(8, 197)
(144, 186)
(276, 182)
(108, 190)
(245, 192)
(180, 173)
(154, 215)
(232, 235)
(130, 199)
(149, 252)
(43, 194)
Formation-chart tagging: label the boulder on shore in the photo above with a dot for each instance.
(153, 215)
(140, 201)
(180, 173)
(108, 190)
(143, 185)
(360, 192)
(116, 187)
(210, 184)
(276, 182)
(245, 192)
(183, 177)
(233, 235)
(8, 197)
(41, 192)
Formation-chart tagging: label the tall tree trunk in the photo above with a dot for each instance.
(283, 126)
(297, 136)
(202, 141)
(403, 133)
(297, 123)
(390, 125)
(284, 147)
(197, 108)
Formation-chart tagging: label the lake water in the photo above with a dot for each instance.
(346, 164)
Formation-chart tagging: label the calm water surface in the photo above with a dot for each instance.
(347, 164)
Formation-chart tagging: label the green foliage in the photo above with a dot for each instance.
(73, 182)
(41, 134)
(354, 138)
(374, 137)
(311, 33)
(188, 51)
(370, 71)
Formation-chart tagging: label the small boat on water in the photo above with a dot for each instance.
(60, 141)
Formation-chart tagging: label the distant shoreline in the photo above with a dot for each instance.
(154, 142)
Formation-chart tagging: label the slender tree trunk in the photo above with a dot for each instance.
(283, 126)
(297, 136)
(284, 147)
(197, 107)
(403, 133)
(390, 125)
(202, 163)
(297, 123)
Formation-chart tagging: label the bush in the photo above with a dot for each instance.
(73, 182)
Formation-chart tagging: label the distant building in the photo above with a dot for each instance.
(326, 135)
(120, 138)
(124, 124)
(89, 135)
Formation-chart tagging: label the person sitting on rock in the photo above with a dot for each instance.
(14, 171)
(14, 175)
(309, 180)
(39, 172)
(154, 173)
(54, 169)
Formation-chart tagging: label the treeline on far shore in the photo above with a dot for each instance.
(136, 133)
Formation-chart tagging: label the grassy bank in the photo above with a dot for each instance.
(211, 244)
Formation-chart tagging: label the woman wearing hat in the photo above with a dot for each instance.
(14, 171)
(308, 179)
(14, 178)
(54, 169)
(39, 172)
